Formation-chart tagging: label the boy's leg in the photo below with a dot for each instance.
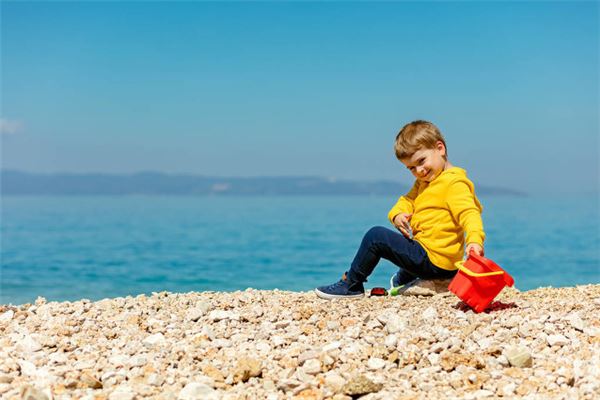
(380, 242)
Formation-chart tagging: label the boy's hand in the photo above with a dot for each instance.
(402, 223)
(475, 248)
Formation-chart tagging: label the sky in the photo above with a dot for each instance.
(289, 89)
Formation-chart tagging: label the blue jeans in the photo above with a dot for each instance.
(409, 255)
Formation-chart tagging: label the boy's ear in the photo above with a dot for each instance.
(441, 147)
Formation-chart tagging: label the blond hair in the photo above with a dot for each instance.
(415, 136)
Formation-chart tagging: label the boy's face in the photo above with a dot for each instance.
(427, 164)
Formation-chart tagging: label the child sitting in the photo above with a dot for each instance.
(435, 219)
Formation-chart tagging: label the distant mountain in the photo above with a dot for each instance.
(156, 183)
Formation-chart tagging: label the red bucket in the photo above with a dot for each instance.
(478, 281)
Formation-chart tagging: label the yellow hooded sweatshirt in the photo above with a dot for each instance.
(444, 210)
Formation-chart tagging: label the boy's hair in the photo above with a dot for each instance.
(415, 136)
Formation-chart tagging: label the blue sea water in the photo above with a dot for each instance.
(68, 248)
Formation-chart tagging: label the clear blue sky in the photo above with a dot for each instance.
(248, 89)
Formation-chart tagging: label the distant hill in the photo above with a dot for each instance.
(156, 183)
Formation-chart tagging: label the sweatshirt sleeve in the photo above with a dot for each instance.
(466, 209)
(405, 204)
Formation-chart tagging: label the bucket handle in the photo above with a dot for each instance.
(461, 266)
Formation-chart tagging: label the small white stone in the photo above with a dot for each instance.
(122, 393)
(198, 391)
(138, 361)
(482, 393)
(332, 346)
(307, 355)
(6, 316)
(395, 324)
(391, 341)
(194, 314)
(518, 356)
(334, 381)
(508, 389)
(485, 343)
(29, 345)
(218, 315)
(592, 331)
(434, 358)
(84, 364)
(333, 325)
(328, 360)
(282, 324)
(153, 340)
(312, 366)
(277, 340)
(263, 347)
(375, 363)
(557, 340)
(429, 314)
(58, 358)
(27, 368)
(155, 380)
(385, 316)
(576, 321)
(118, 360)
(353, 332)
(221, 343)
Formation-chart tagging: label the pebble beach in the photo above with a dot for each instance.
(254, 344)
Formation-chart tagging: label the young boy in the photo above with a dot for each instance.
(435, 219)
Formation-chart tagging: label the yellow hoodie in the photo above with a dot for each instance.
(444, 211)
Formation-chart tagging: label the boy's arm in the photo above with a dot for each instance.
(405, 204)
(465, 208)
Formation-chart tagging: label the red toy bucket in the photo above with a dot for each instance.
(478, 281)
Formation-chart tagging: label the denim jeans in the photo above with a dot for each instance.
(409, 255)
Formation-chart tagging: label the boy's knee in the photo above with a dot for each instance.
(376, 232)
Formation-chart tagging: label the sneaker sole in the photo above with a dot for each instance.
(328, 296)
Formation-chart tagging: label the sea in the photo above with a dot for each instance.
(77, 247)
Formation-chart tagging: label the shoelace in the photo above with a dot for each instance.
(338, 283)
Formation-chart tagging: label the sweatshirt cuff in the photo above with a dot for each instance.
(475, 237)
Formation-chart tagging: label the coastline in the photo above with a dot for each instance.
(543, 343)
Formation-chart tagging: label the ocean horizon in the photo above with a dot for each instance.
(66, 248)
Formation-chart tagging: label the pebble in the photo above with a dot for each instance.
(122, 393)
(218, 315)
(557, 340)
(519, 357)
(576, 321)
(332, 346)
(375, 363)
(6, 316)
(361, 385)
(334, 381)
(429, 314)
(154, 340)
(280, 344)
(29, 345)
(307, 355)
(391, 341)
(395, 324)
(312, 366)
(353, 332)
(27, 368)
(197, 391)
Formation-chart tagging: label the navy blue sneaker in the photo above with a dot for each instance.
(341, 290)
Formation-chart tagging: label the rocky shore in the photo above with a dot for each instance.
(275, 344)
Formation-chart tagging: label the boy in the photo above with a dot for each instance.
(435, 219)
